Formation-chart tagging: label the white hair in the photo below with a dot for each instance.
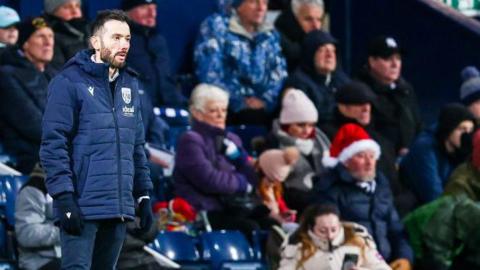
(297, 4)
(206, 92)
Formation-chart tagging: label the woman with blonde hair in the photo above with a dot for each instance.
(322, 242)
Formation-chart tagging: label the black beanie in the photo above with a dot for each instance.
(450, 117)
(354, 93)
(27, 27)
(129, 4)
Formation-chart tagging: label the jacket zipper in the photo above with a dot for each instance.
(117, 136)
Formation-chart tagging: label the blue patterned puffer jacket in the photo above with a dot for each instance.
(245, 65)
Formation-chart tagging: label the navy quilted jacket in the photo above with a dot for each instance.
(374, 211)
(92, 143)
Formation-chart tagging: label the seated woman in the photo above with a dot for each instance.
(296, 127)
(323, 242)
(211, 165)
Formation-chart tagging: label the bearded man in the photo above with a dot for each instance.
(93, 148)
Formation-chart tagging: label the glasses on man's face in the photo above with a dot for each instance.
(39, 23)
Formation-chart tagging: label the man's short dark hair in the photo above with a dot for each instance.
(107, 15)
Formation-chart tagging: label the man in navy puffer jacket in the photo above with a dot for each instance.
(93, 148)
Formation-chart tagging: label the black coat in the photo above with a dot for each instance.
(318, 90)
(149, 56)
(291, 37)
(395, 111)
(374, 211)
(23, 94)
(70, 38)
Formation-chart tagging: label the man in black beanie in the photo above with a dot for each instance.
(25, 74)
(437, 152)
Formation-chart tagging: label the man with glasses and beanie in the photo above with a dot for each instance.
(93, 148)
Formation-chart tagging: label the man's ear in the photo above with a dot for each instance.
(95, 42)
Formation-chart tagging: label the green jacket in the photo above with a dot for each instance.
(445, 228)
(465, 179)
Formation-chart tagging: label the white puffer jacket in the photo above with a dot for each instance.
(323, 259)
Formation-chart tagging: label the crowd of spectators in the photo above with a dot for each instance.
(345, 158)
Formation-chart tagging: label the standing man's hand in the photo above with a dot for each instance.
(145, 213)
(71, 220)
(254, 103)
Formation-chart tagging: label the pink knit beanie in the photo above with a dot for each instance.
(276, 163)
(297, 108)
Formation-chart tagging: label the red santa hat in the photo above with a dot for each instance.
(350, 140)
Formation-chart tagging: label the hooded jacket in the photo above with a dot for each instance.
(23, 94)
(93, 141)
(244, 64)
(319, 88)
(374, 211)
(37, 236)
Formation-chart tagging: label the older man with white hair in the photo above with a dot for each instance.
(294, 23)
(362, 194)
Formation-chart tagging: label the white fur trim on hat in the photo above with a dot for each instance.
(351, 150)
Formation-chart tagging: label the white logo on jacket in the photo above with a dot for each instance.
(90, 89)
(127, 95)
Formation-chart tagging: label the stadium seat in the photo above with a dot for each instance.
(9, 187)
(179, 247)
(228, 250)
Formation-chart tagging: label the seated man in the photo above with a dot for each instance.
(395, 110)
(241, 54)
(437, 152)
(25, 75)
(70, 28)
(362, 194)
(294, 23)
(149, 54)
(38, 238)
(318, 75)
(354, 103)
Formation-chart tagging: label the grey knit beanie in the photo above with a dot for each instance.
(49, 6)
(470, 89)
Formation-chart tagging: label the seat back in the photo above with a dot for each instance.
(228, 250)
(177, 246)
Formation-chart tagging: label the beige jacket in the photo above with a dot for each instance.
(323, 259)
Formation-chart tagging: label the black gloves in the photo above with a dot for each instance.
(145, 214)
(71, 220)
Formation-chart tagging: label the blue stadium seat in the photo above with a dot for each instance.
(228, 250)
(6, 266)
(179, 247)
(9, 187)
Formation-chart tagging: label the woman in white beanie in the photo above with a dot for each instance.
(297, 127)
